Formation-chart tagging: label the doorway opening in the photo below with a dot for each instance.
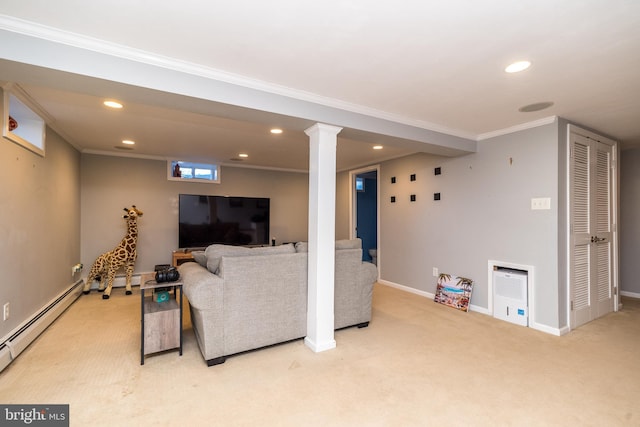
(365, 210)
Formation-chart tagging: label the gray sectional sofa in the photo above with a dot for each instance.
(247, 298)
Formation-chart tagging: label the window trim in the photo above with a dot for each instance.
(213, 167)
(31, 125)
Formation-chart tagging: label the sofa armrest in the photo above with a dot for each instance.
(353, 288)
(203, 289)
(368, 274)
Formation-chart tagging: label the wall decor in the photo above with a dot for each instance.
(412, 177)
(437, 171)
(393, 199)
(436, 196)
(393, 179)
(413, 198)
(454, 291)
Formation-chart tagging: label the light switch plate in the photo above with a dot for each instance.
(541, 203)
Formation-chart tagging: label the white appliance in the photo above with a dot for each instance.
(510, 298)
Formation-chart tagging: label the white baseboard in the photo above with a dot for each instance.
(407, 289)
(549, 330)
(475, 308)
(120, 281)
(5, 358)
(630, 294)
(17, 340)
(429, 295)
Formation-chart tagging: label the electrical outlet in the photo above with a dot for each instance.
(435, 272)
(76, 268)
(542, 203)
(5, 311)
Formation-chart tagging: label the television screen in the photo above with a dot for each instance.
(205, 220)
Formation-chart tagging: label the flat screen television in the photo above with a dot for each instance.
(205, 220)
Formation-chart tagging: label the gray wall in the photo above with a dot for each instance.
(39, 226)
(111, 183)
(629, 221)
(484, 214)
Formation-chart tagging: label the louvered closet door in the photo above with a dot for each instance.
(591, 224)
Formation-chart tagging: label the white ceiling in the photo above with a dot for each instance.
(423, 68)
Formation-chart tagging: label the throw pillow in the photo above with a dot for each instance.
(199, 257)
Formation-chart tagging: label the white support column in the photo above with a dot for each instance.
(322, 225)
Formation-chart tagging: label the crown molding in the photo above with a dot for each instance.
(123, 154)
(166, 159)
(56, 35)
(517, 128)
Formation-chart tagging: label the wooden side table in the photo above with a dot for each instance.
(161, 322)
(179, 257)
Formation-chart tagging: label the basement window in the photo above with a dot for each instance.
(178, 170)
(21, 124)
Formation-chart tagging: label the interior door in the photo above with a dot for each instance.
(592, 239)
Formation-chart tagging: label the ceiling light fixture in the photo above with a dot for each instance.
(276, 131)
(128, 142)
(377, 147)
(516, 67)
(243, 155)
(113, 104)
(535, 107)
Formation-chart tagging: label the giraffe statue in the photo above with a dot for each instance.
(125, 254)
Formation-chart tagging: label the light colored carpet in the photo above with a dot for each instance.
(417, 364)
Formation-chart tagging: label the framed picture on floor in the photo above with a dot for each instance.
(454, 291)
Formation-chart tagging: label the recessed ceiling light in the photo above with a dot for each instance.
(276, 131)
(377, 147)
(243, 155)
(128, 142)
(112, 104)
(535, 107)
(516, 67)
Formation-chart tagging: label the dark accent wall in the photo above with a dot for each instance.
(367, 217)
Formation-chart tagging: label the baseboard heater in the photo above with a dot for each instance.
(23, 335)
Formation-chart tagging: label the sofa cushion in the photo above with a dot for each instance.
(215, 252)
(340, 244)
(349, 244)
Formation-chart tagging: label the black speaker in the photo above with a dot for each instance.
(168, 274)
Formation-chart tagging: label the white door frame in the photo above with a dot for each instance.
(615, 178)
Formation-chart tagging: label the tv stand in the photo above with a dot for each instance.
(181, 256)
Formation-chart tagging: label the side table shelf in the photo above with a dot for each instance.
(161, 322)
(179, 257)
